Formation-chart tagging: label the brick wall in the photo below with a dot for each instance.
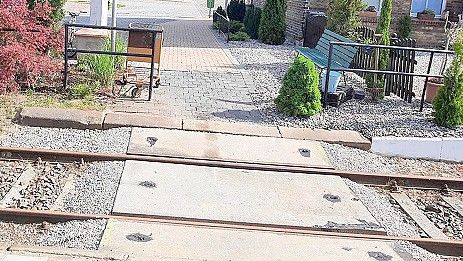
(295, 18)
(427, 33)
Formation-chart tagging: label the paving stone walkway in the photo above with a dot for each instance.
(199, 78)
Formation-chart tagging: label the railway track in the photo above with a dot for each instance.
(439, 245)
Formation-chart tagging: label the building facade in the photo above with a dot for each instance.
(428, 33)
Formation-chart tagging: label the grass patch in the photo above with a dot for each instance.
(8, 108)
(59, 101)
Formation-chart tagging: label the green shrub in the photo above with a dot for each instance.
(252, 21)
(239, 36)
(57, 5)
(236, 10)
(84, 90)
(448, 104)
(236, 26)
(405, 27)
(299, 95)
(272, 22)
(343, 16)
(384, 28)
(103, 67)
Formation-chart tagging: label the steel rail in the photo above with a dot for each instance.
(375, 179)
(438, 246)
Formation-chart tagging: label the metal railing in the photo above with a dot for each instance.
(153, 33)
(223, 25)
(381, 72)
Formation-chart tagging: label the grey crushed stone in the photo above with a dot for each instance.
(94, 191)
(392, 219)
(112, 140)
(74, 234)
(351, 159)
(389, 117)
(10, 171)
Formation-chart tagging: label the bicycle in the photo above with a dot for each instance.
(72, 30)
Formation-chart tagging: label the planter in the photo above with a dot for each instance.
(368, 14)
(432, 88)
(375, 94)
(426, 17)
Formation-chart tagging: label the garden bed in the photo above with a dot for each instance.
(389, 117)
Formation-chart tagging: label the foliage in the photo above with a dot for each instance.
(57, 13)
(84, 90)
(25, 60)
(300, 95)
(252, 21)
(236, 10)
(236, 26)
(383, 28)
(101, 66)
(343, 16)
(60, 101)
(448, 104)
(220, 11)
(428, 12)
(272, 22)
(405, 27)
(239, 36)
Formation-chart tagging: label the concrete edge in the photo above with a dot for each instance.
(440, 149)
(74, 252)
(76, 119)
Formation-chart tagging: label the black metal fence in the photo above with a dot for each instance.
(222, 24)
(365, 56)
(67, 49)
(401, 61)
(380, 72)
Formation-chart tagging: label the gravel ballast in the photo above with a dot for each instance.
(392, 219)
(76, 234)
(389, 117)
(95, 190)
(113, 140)
(9, 173)
(351, 159)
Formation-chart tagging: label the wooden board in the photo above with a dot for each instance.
(417, 215)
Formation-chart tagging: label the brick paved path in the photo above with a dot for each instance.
(199, 78)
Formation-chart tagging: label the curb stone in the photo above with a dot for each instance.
(61, 118)
(79, 119)
(447, 149)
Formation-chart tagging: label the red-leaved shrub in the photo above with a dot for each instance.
(27, 41)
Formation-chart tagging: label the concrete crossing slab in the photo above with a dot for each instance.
(197, 192)
(156, 241)
(217, 146)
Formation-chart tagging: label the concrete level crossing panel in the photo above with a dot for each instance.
(219, 194)
(217, 146)
(155, 241)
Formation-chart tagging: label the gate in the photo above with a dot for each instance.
(401, 61)
(365, 55)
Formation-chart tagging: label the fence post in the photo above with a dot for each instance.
(426, 81)
(327, 76)
(153, 43)
(66, 62)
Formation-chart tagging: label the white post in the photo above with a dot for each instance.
(113, 23)
(99, 12)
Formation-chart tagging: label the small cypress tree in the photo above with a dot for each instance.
(448, 104)
(272, 23)
(384, 28)
(405, 27)
(299, 95)
(252, 20)
(343, 16)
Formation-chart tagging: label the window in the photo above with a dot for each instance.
(375, 3)
(419, 5)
